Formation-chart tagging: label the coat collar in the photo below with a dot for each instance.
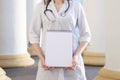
(52, 7)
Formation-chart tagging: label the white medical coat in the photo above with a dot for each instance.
(75, 17)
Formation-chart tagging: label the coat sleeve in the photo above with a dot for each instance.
(85, 34)
(35, 27)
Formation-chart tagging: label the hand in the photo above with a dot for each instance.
(74, 64)
(44, 65)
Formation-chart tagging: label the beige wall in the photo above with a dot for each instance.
(95, 14)
(112, 19)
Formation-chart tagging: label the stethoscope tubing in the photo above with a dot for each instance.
(46, 9)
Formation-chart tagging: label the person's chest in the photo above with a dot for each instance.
(61, 18)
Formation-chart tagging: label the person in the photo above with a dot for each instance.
(60, 15)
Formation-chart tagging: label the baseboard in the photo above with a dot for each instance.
(105, 74)
(93, 58)
(21, 60)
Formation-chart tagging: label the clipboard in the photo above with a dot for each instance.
(58, 50)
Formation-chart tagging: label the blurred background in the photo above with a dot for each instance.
(101, 58)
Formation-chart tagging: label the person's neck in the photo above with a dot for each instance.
(59, 1)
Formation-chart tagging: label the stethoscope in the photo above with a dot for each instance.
(51, 16)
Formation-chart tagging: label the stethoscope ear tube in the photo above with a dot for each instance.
(68, 6)
(63, 14)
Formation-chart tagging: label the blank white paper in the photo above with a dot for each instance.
(58, 51)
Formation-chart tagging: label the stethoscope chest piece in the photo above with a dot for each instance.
(63, 14)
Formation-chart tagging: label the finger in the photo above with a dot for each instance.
(74, 67)
(71, 68)
(74, 63)
(45, 67)
(50, 68)
(68, 68)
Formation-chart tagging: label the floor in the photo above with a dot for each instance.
(29, 73)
